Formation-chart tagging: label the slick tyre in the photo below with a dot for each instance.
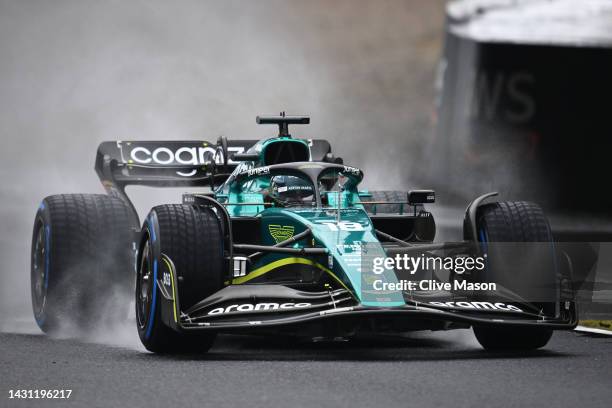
(514, 222)
(189, 238)
(82, 261)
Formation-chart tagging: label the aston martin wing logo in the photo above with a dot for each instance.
(281, 233)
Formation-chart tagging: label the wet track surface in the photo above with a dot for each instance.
(424, 370)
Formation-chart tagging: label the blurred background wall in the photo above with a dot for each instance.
(75, 73)
(524, 109)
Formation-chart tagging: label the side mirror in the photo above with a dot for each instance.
(421, 197)
(242, 157)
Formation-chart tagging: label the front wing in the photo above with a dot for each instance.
(282, 308)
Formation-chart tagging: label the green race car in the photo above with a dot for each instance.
(284, 241)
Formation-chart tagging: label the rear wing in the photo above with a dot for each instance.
(165, 163)
(190, 163)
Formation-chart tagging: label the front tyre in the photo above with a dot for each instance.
(513, 222)
(508, 338)
(191, 237)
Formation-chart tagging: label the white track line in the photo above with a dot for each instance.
(592, 330)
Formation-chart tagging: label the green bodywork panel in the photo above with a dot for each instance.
(345, 242)
(350, 238)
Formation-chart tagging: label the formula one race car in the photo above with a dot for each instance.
(283, 241)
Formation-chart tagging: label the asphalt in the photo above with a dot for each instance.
(424, 370)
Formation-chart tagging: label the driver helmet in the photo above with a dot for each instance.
(291, 189)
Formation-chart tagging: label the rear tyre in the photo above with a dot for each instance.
(192, 238)
(81, 261)
(508, 221)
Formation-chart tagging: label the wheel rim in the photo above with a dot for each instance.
(144, 285)
(39, 270)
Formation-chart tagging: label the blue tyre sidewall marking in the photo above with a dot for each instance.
(152, 228)
(152, 311)
(151, 319)
(483, 238)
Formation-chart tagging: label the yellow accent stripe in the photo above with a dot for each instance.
(282, 262)
(172, 283)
